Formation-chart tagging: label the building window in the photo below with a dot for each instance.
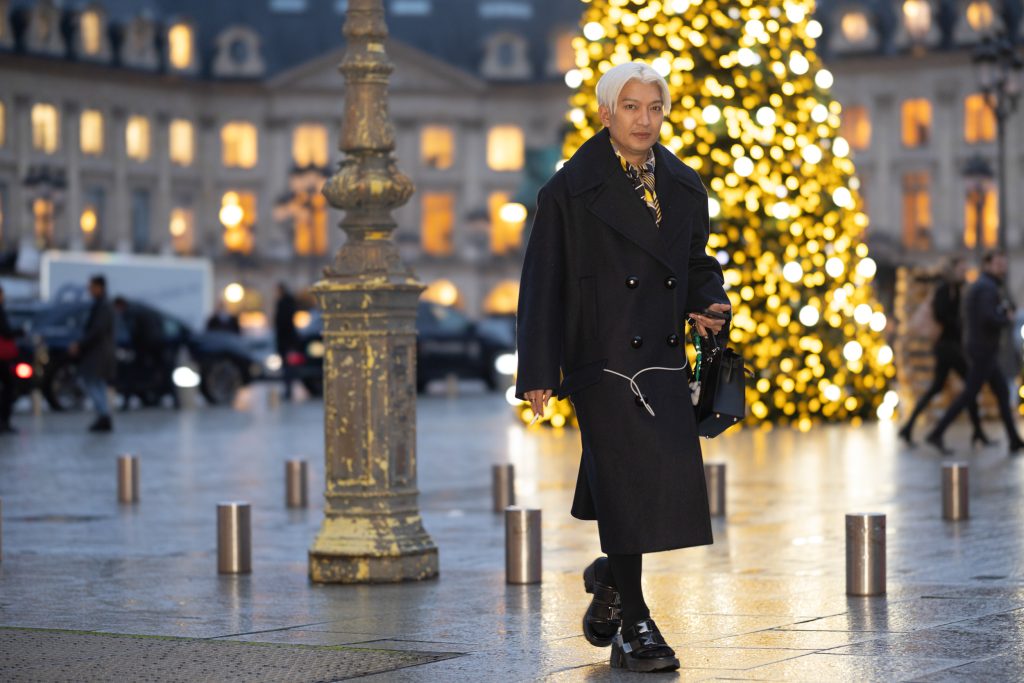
(90, 222)
(506, 55)
(309, 145)
(981, 209)
(182, 142)
(45, 128)
(855, 27)
(238, 215)
(311, 226)
(917, 122)
(91, 133)
(917, 210)
(136, 138)
(179, 46)
(437, 147)
(855, 127)
(43, 219)
(91, 27)
(505, 148)
(287, 5)
(140, 220)
(507, 221)
(238, 144)
(503, 299)
(182, 229)
(437, 221)
(411, 8)
(979, 120)
(506, 9)
(563, 54)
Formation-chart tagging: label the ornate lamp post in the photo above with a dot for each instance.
(978, 174)
(372, 530)
(44, 187)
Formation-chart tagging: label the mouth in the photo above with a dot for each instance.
(642, 136)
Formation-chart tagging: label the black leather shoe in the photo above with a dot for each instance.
(641, 648)
(935, 441)
(102, 424)
(906, 437)
(980, 437)
(602, 619)
(1016, 447)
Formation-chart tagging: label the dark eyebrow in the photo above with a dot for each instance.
(632, 99)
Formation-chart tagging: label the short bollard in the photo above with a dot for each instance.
(865, 554)
(522, 545)
(954, 491)
(234, 538)
(295, 484)
(714, 477)
(1, 529)
(503, 486)
(128, 479)
(273, 399)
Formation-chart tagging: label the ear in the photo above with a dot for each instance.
(605, 115)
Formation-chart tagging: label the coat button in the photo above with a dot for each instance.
(632, 282)
(672, 340)
(671, 282)
(637, 342)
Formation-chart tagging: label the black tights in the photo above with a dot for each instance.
(625, 571)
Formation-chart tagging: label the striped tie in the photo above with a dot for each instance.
(643, 180)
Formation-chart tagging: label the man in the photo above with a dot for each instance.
(223, 321)
(286, 336)
(96, 353)
(948, 350)
(149, 374)
(615, 265)
(8, 335)
(988, 314)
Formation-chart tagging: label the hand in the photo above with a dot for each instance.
(704, 323)
(73, 349)
(538, 398)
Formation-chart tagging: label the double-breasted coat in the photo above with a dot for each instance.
(604, 288)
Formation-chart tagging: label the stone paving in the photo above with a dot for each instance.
(766, 602)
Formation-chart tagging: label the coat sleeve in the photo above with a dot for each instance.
(99, 326)
(540, 319)
(705, 282)
(988, 307)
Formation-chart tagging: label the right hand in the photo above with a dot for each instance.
(538, 398)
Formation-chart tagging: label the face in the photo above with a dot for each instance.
(997, 266)
(960, 271)
(95, 290)
(636, 123)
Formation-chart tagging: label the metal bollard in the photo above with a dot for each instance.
(954, 491)
(714, 477)
(128, 479)
(1, 529)
(234, 538)
(295, 484)
(522, 545)
(503, 486)
(273, 399)
(865, 554)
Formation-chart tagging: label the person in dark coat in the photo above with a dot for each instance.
(948, 349)
(223, 321)
(988, 312)
(7, 379)
(287, 337)
(150, 372)
(615, 266)
(96, 353)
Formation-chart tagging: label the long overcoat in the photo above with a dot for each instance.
(605, 289)
(97, 348)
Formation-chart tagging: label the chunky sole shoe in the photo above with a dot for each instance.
(635, 647)
(603, 610)
(621, 659)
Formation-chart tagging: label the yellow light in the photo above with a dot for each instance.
(711, 114)
(793, 272)
(593, 31)
(853, 351)
(442, 292)
(862, 314)
(823, 79)
(574, 79)
(301, 319)
(885, 355)
(234, 293)
(513, 213)
(867, 268)
(88, 220)
(231, 215)
(809, 316)
(878, 322)
(558, 420)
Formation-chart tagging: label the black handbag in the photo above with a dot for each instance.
(721, 377)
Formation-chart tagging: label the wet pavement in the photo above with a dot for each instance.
(766, 602)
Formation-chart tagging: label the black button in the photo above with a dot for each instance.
(673, 340)
(637, 342)
(632, 282)
(671, 282)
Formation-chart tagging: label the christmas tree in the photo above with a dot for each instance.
(752, 114)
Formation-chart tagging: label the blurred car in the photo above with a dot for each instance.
(447, 343)
(224, 362)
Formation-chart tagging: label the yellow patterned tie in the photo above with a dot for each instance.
(643, 180)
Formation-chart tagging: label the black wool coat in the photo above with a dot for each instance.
(604, 288)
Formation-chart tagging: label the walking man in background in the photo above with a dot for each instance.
(286, 335)
(96, 353)
(988, 312)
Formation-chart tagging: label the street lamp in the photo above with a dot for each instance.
(44, 188)
(998, 67)
(917, 17)
(300, 204)
(978, 174)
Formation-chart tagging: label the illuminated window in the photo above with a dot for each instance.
(3, 124)
(182, 229)
(979, 120)
(238, 144)
(437, 146)
(238, 214)
(505, 148)
(91, 133)
(442, 292)
(503, 299)
(855, 127)
(91, 27)
(437, 222)
(855, 27)
(136, 138)
(309, 145)
(182, 142)
(917, 210)
(917, 122)
(179, 46)
(90, 221)
(981, 208)
(563, 54)
(311, 225)
(42, 220)
(45, 128)
(507, 221)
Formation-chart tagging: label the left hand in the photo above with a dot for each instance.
(705, 324)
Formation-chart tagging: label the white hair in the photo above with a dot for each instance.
(615, 79)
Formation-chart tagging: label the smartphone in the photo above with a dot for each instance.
(717, 315)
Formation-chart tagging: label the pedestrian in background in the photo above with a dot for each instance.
(8, 356)
(946, 310)
(988, 311)
(96, 353)
(286, 336)
(223, 321)
(616, 263)
(149, 373)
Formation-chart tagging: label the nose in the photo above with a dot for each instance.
(645, 116)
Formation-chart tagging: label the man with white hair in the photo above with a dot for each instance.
(616, 266)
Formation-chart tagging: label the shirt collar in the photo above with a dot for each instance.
(630, 167)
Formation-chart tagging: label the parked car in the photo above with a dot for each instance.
(224, 362)
(447, 343)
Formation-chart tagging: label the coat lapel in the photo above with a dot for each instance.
(675, 187)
